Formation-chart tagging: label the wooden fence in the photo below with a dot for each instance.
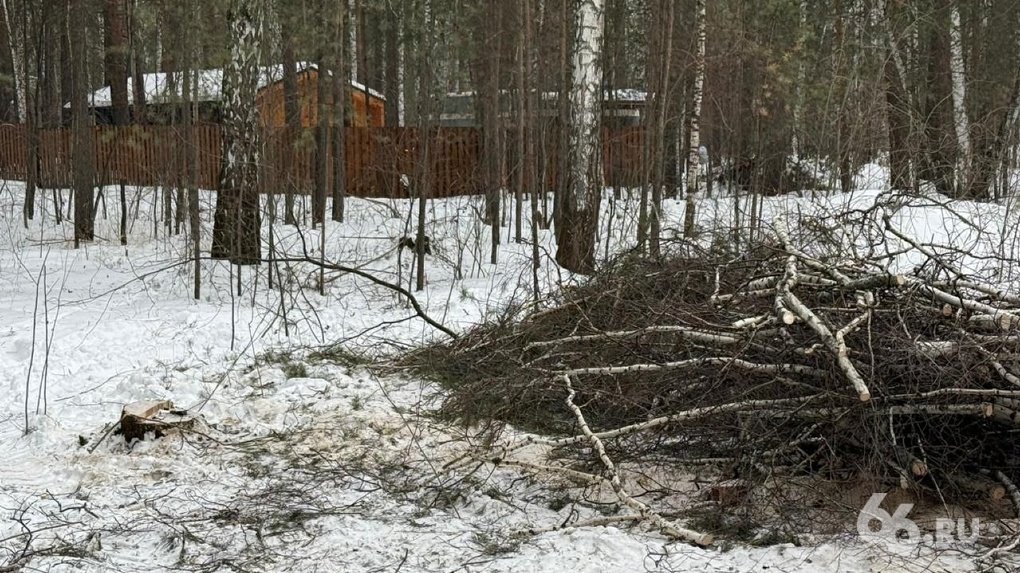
(377, 159)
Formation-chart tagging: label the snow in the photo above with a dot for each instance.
(301, 465)
(209, 85)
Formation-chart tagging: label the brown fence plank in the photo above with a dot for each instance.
(376, 158)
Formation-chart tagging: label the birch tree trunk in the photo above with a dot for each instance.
(696, 97)
(575, 237)
(961, 123)
(28, 109)
(237, 220)
(798, 97)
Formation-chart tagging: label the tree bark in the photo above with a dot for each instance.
(31, 122)
(695, 119)
(237, 219)
(488, 40)
(9, 76)
(961, 122)
(83, 156)
(291, 110)
(339, 109)
(391, 88)
(322, 135)
(576, 235)
(898, 109)
(139, 109)
(116, 58)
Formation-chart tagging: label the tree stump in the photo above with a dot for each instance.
(158, 417)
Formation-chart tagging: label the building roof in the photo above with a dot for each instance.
(209, 85)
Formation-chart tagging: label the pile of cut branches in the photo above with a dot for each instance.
(772, 363)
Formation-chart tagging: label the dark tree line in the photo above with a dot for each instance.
(928, 87)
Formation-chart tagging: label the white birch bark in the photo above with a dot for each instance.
(352, 45)
(237, 220)
(616, 483)
(577, 221)
(798, 98)
(585, 99)
(693, 157)
(961, 123)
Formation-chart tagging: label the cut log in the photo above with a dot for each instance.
(158, 417)
(729, 492)
(980, 485)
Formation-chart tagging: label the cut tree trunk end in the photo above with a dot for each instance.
(157, 416)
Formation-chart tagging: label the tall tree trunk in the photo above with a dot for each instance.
(81, 121)
(339, 99)
(9, 76)
(695, 118)
(576, 236)
(937, 131)
(796, 138)
(898, 108)
(660, 75)
(237, 219)
(392, 73)
(563, 125)
(961, 123)
(31, 122)
(423, 178)
(291, 110)
(488, 32)
(66, 58)
(194, 216)
(522, 161)
(322, 135)
(139, 109)
(48, 89)
(116, 58)
(843, 91)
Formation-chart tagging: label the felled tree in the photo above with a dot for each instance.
(237, 220)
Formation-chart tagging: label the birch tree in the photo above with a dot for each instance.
(237, 220)
(961, 123)
(696, 97)
(575, 235)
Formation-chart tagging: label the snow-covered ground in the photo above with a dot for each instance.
(312, 465)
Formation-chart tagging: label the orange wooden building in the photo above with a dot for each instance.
(163, 98)
(368, 107)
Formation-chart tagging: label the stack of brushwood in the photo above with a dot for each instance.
(769, 363)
